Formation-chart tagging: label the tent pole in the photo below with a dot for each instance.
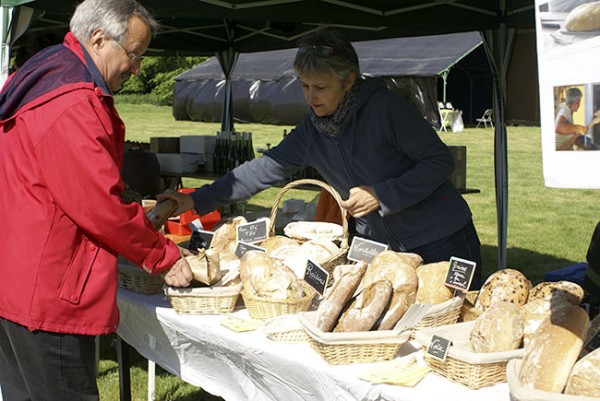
(227, 60)
(5, 17)
(498, 44)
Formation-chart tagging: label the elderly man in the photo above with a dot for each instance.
(63, 220)
(567, 133)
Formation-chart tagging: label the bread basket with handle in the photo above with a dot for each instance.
(338, 236)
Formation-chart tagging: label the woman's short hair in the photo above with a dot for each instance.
(326, 51)
(112, 16)
(573, 95)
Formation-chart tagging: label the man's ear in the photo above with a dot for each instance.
(98, 39)
(350, 80)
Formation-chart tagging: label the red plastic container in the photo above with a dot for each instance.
(182, 227)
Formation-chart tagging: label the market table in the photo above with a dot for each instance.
(249, 366)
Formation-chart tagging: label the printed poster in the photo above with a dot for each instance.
(568, 46)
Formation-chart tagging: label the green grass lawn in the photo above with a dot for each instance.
(548, 228)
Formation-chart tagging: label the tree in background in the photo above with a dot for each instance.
(157, 79)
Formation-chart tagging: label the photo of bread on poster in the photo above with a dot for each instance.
(565, 22)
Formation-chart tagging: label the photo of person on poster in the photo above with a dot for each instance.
(569, 134)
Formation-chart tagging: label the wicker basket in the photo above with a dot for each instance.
(356, 347)
(262, 308)
(204, 300)
(340, 256)
(442, 314)
(285, 328)
(135, 279)
(520, 393)
(474, 370)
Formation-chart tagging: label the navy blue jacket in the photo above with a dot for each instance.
(386, 144)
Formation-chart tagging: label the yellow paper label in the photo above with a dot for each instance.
(397, 372)
(239, 325)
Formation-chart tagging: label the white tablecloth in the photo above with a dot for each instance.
(249, 366)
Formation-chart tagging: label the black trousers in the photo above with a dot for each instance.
(39, 365)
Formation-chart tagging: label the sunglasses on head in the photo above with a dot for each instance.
(320, 50)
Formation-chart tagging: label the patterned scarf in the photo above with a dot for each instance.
(333, 124)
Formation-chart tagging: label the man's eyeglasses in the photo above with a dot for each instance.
(325, 51)
(134, 58)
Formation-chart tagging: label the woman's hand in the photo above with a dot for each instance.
(361, 201)
(180, 274)
(184, 201)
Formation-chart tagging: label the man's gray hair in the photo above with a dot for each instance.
(573, 95)
(112, 16)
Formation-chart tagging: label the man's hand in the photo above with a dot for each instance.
(361, 201)
(179, 275)
(184, 201)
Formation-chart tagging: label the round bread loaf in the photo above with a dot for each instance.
(552, 352)
(268, 277)
(585, 376)
(319, 250)
(432, 289)
(392, 266)
(552, 290)
(338, 295)
(293, 257)
(366, 308)
(584, 18)
(498, 329)
(506, 285)
(275, 242)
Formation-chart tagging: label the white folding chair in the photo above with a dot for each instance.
(486, 119)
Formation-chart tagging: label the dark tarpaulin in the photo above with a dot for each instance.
(410, 66)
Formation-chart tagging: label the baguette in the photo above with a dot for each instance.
(338, 295)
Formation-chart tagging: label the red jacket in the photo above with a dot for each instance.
(63, 222)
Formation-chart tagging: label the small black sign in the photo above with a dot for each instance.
(438, 348)
(316, 276)
(460, 274)
(243, 247)
(200, 239)
(364, 249)
(255, 231)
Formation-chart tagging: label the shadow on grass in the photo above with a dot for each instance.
(532, 264)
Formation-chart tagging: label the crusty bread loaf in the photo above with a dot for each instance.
(366, 308)
(552, 352)
(498, 329)
(506, 285)
(432, 289)
(293, 257)
(548, 290)
(275, 242)
(225, 237)
(412, 259)
(392, 266)
(319, 250)
(268, 277)
(585, 376)
(535, 312)
(397, 308)
(583, 18)
(338, 295)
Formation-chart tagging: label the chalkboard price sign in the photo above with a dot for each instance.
(460, 274)
(243, 247)
(438, 348)
(316, 276)
(200, 239)
(252, 232)
(364, 249)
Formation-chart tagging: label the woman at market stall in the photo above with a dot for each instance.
(371, 145)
